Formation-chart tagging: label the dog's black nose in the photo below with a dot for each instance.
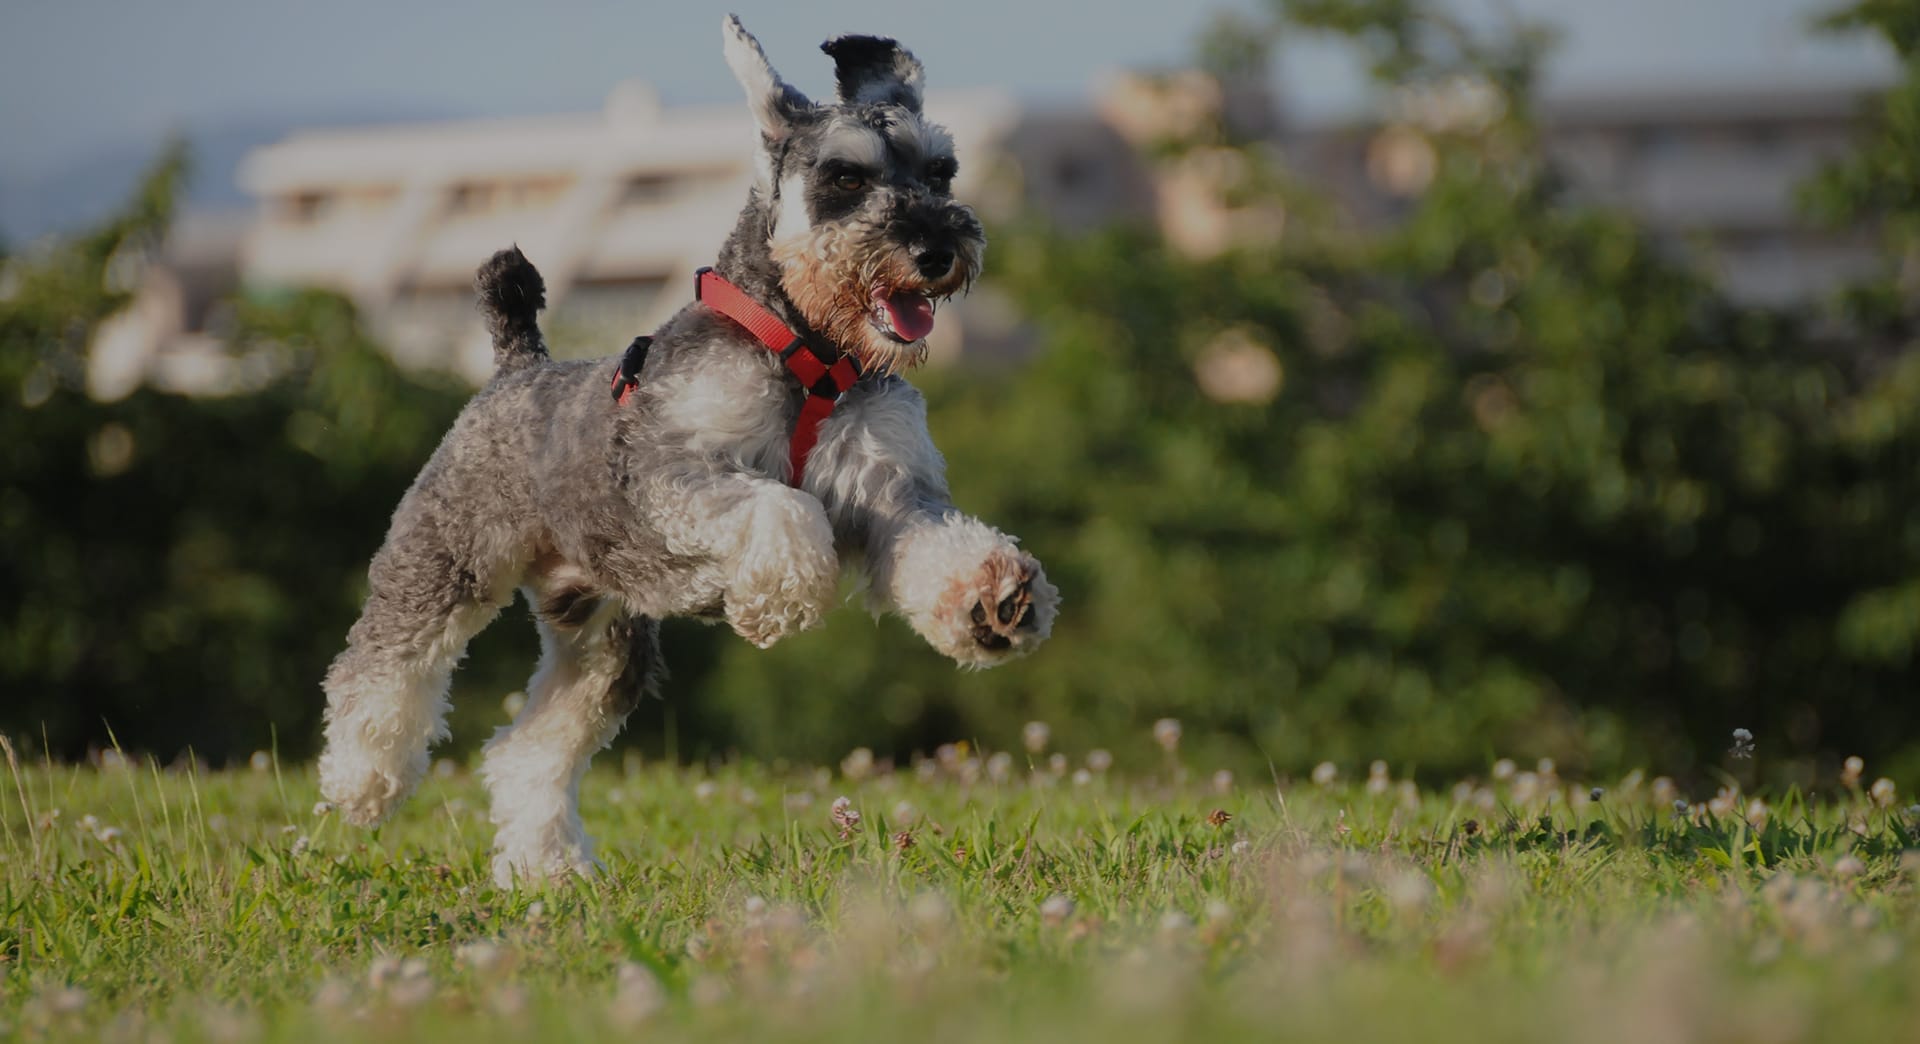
(935, 263)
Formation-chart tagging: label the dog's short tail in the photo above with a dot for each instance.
(511, 295)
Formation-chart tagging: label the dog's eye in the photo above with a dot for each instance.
(849, 182)
(940, 172)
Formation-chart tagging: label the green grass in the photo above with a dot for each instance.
(137, 903)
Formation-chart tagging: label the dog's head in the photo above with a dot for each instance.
(857, 198)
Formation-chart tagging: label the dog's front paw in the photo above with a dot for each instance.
(786, 573)
(1002, 609)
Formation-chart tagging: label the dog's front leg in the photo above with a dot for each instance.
(964, 586)
(778, 570)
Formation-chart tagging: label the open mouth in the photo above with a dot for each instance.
(904, 315)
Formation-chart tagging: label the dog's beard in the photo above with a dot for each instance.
(869, 301)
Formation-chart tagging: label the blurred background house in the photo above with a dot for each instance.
(618, 206)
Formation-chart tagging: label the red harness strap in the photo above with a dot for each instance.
(824, 381)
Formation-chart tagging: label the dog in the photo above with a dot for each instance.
(762, 438)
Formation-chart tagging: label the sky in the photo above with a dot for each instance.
(85, 79)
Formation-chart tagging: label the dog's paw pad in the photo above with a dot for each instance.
(995, 611)
(998, 620)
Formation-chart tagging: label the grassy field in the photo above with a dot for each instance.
(997, 899)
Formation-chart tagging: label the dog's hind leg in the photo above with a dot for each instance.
(595, 664)
(387, 692)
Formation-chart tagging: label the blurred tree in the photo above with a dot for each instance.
(181, 569)
(1501, 478)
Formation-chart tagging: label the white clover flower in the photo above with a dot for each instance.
(929, 909)
(66, 1000)
(1218, 912)
(1849, 866)
(845, 817)
(1000, 767)
(108, 835)
(637, 995)
(1882, 792)
(1223, 781)
(1081, 777)
(1036, 736)
(799, 800)
(1851, 769)
(755, 906)
(300, 846)
(1057, 764)
(1378, 778)
(481, 956)
(1546, 767)
(321, 808)
(261, 761)
(1099, 760)
(507, 998)
(1325, 773)
(705, 790)
(1503, 769)
(709, 991)
(858, 764)
(445, 768)
(90, 823)
(1241, 848)
(333, 995)
(904, 813)
(514, 703)
(1724, 801)
(1742, 744)
(384, 969)
(1056, 909)
(1408, 891)
(1166, 732)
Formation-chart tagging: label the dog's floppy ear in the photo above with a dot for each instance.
(775, 103)
(875, 69)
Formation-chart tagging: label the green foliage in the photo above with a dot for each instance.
(1522, 483)
(179, 568)
(138, 904)
(1528, 484)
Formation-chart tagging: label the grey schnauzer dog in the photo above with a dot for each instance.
(681, 497)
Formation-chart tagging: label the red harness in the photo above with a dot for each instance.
(824, 381)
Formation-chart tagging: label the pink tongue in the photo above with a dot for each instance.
(911, 313)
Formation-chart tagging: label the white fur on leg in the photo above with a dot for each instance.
(785, 571)
(941, 570)
(381, 721)
(533, 767)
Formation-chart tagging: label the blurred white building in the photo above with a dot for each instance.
(1713, 175)
(620, 206)
(617, 208)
